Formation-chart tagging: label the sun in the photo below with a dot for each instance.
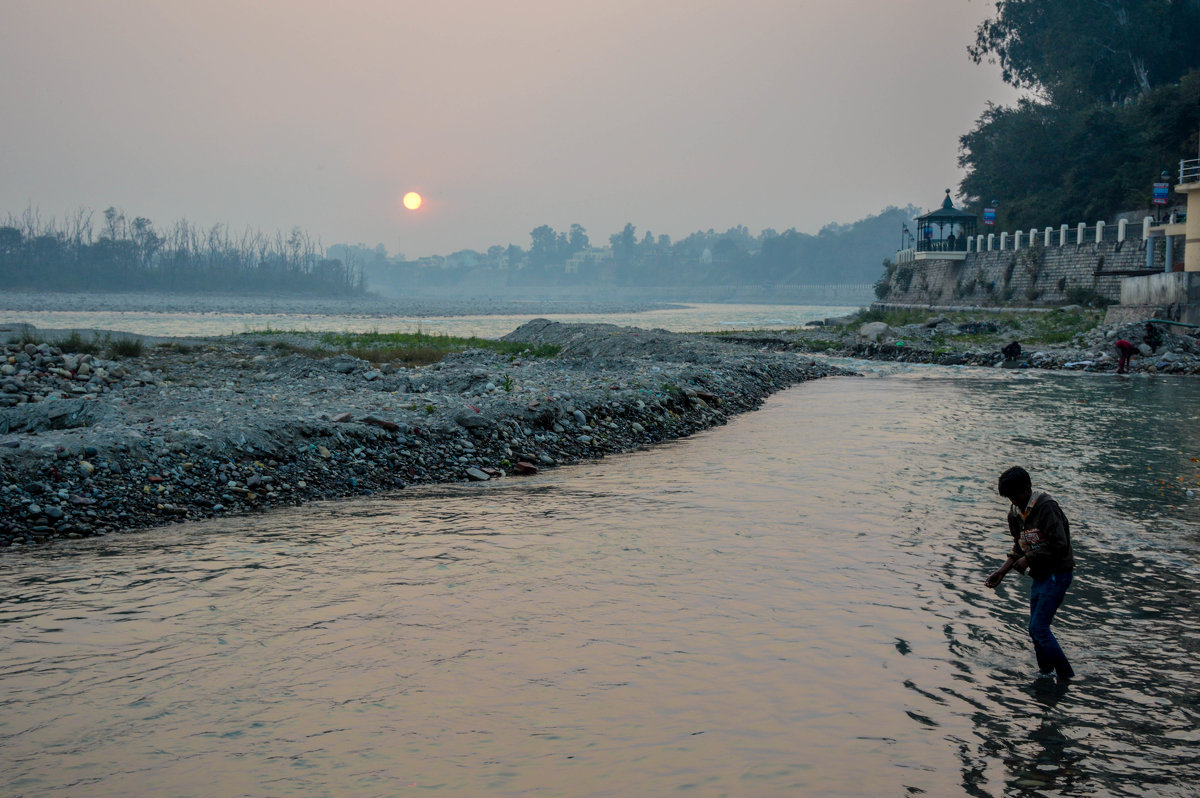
(412, 200)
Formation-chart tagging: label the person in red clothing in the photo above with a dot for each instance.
(1125, 350)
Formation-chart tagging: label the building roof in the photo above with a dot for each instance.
(946, 213)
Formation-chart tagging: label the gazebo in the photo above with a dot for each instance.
(945, 230)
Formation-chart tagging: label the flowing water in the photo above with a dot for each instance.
(788, 605)
(691, 317)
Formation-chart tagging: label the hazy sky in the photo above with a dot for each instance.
(676, 115)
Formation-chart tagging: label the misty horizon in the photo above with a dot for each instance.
(675, 118)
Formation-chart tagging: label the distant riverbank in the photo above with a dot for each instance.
(366, 305)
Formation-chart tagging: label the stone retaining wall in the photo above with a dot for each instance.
(1034, 275)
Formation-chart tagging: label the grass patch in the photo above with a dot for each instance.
(424, 348)
(262, 332)
(410, 349)
(409, 356)
(115, 347)
(1059, 327)
(25, 335)
(894, 318)
(77, 343)
(820, 344)
(126, 347)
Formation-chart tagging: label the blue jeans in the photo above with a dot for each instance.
(1044, 597)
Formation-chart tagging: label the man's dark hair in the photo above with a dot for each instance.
(1014, 481)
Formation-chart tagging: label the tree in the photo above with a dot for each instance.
(1116, 100)
(114, 223)
(1081, 51)
(515, 256)
(624, 243)
(544, 249)
(1049, 164)
(578, 240)
(145, 240)
(10, 243)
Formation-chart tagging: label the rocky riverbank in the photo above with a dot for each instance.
(1068, 339)
(95, 443)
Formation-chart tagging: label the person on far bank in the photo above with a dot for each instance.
(1154, 336)
(1042, 546)
(1125, 351)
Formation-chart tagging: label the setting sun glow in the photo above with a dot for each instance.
(412, 200)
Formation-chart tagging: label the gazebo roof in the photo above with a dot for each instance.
(946, 213)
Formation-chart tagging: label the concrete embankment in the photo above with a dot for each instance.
(91, 446)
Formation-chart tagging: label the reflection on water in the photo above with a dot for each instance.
(791, 604)
(693, 317)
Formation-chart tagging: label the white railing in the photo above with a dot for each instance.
(1062, 236)
(1189, 171)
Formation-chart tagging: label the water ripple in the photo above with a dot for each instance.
(789, 604)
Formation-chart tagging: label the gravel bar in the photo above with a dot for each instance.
(227, 426)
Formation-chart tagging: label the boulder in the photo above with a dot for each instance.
(874, 331)
(390, 426)
(346, 364)
(472, 420)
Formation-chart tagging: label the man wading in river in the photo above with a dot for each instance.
(1041, 543)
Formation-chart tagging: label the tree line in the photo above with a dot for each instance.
(838, 253)
(1113, 100)
(122, 254)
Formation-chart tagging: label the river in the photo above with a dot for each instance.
(791, 604)
(691, 317)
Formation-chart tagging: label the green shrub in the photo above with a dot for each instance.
(884, 285)
(77, 343)
(126, 347)
(1088, 297)
(419, 349)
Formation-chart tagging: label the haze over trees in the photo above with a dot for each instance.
(837, 254)
(132, 255)
(1114, 100)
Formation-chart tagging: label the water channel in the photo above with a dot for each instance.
(791, 604)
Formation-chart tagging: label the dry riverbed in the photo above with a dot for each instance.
(147, 433)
